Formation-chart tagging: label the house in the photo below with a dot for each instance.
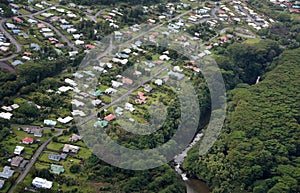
(116, 84)
(18, 20)
(56, 169)
(96, 102)
(65, 120)
(70, 148)
(110, 91)
(119, 111)
(1, 183)
(35, 47)
(56, 157)
(95, 93)
(41, 183)
(14, 6)
(18, 150)
(158, 82)
(127, 81)
(34, 130)
(164, 57)
(129, 107)
(101, 124)
(7, 172)
(141, 99)
(37, 132)
(78, 113)
(110, 117)
(50, 123)
(27, 140)
(6, 115)
(10, 26)
(75, 138)
(148, 88)
(16, 161)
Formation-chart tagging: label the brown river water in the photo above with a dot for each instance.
(196, 186)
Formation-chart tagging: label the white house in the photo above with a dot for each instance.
(42, 183)
(65, 120)
(116, 84)
(71, 82)
(49, 122)
(129, 107)
(6, 115)
(18, 150)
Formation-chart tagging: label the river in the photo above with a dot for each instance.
(192, 185)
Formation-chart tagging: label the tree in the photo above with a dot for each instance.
(75, 169)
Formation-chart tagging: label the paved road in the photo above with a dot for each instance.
(94, 17)
(62, 36)
(33, 160)
(92, 116)
(12, 40)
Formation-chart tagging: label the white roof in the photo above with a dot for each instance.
(42, 183)
(6, 115)
(77, 103)
(71, 82)
(18, 150)
(65, 120)
(78, 113)
(65, 88)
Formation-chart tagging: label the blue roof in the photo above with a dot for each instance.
(17, 62)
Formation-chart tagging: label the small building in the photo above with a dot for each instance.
(148, 88)
(18, 20)
(65, 120)
(75, 138)
(16, 161)
(50, 123)
(56, 169)
(158, 82)
(54, 157)
(28, 140)
(18, 150)
(41, 183)
(7, 172)
(129, 107)
(101, 124)
(70, 148)
(110, 117)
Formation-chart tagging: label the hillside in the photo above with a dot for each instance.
(259, 148)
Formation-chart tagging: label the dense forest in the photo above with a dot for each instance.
(259, 148)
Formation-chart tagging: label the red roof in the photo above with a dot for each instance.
(89, 46)
(27, 53)
(28, 140)
(41, 25)
(221, 11)
(127, 80)
(107, 16)
(141, 95)
(110, 117)
(17, 19)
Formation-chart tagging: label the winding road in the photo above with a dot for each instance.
(11, 39)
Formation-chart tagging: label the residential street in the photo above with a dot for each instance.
(34, 159)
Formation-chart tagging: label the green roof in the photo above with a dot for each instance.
(96, 93)
(101, 124)
(57, 169)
